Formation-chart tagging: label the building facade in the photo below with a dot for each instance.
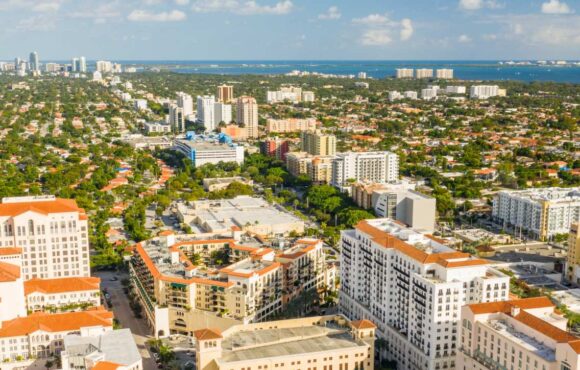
(378, 167)
(275, 148)
(225, 93)
(290, 125)
(247, 115)
(206, 112)
(317, 143)
(201, 152)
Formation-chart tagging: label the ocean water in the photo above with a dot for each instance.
(463, 70)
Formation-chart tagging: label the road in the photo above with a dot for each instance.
(124, 314)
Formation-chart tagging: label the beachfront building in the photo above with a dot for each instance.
(322, 342)
(412, 287)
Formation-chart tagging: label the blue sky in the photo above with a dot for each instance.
(291, 29)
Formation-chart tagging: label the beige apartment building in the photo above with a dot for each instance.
(247, 114)
(317, 143)
(189, 283)
(290, 125)
(51, 232)
(313, 343)
(225, 93)
(573, 257)
(318, 168)
(523, 334)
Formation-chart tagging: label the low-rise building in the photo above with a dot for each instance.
(64, 294)
(157, 128)
(323, 342)
(202, 151)
(517, 334)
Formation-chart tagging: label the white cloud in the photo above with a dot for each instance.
(556, 7)
(38, 23)
(100, 14)
(249, 7)
(479, 4)
(39, 6)
(490, 37)
(373, 19)
(406, 29)
(331, 13)
(541, 32)
(464, 39)
(376, 37)
(146, 16)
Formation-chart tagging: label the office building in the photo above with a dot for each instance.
(404, 73)
(323, 342)
(573, 256)
(201, 151)
(101, 350)
(248, 283)
(33, 62)
(290, 125)
(364, 166)
(275, 148)
(206, 112)
(40, 335)
(222, 113)
(52, 232)
(185, 102)
(225, 93)
(539, 213)
(176, 118)
(429, 94)
(412, 287)
(444, 74)
(247, 115)
(517, 334)
(485, 91)
(455, 89)
(423, 73)
(317, 143)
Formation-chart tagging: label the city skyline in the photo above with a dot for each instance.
(325, 30)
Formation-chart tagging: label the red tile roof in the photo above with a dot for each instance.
(207, 334)
(72, 284)
(106, 365)
(9, 272)
(58, 205)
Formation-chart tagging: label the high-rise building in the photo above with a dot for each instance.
(185, 102)
(429, 94)
(424, 73)
(33, 63)
(541, 213)
(412, 287)
(225, 93)
(317, 143)
(75, 65)
(82, 65)
(275, 148)
(104, 66)
(362, 75)
(206, 112)
(573, 257)
(364, 166)
(404, 73)
(485, 91)
(247, 114)
(455, 89)
(408, 206)
(444, 74)
(518, 334)
(176, 118)
(223, 113)
(291, 94)
(52, 232)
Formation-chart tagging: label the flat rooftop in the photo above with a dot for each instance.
(118, 346)
(257, 344)
(555, 195)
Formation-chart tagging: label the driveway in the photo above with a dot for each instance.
(124, 314)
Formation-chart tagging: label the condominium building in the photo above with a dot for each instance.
(290, 125)
(444, 74)
(307, 96)
(423, 73)
(225, 93)
(429, 94)
(364, 166)
(404, 73)
(455, 89)
(573, 256)
(206, 112)
(291, 94)
(322, 342)
(176, 118)
(103, 350)
(518, 334)
(33, 62)
(541, 213)
(410, 95)
(412, 287)
(275, 148)
(52, 233)
(40, 335)
(318, 168)
(104, 66)
(223, 113)
(394, 96)
(202, 151)
(485, 91)
(317, 143)
(247, 115)
(187, 283)
(185, 102)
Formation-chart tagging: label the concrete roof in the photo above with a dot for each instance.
(118, 346)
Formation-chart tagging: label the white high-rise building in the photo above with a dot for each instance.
(247, 114)
(404, 73)
(52, 233)
(74, 65)
(176, 118)
(104, 66)
(410, 95)
(33, 62)
(362, 75)
(82, 65)
(378, 167)
(424, 73)
(455, 89)
(445, 74)
(429, 94)
(412, 287)
(206, 112)
(223, 113)
(185, 102)
(483, 91)
(542, 213)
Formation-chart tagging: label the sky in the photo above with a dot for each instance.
(291, 29)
